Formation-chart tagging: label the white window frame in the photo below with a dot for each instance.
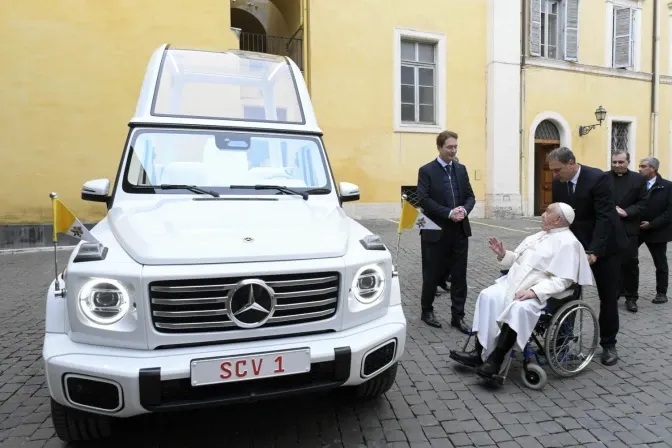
(632, 139)
(636, 6)
(560, 44)
(669, 43)
(438, 39)
(564, 30)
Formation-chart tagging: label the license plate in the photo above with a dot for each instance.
(249, 367)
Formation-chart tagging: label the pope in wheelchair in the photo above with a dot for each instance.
(547, 265)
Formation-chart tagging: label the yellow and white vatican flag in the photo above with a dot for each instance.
(65, 222)
(412, 218)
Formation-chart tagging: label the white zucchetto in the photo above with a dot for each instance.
(567, 211)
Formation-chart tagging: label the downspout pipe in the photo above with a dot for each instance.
(305, 23)
(521, 117)
(655, 91)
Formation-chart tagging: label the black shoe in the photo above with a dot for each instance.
(460, 325)
(489, 368)
(469, 359)
(449, 278)
(609, 356)
(492, 365)
(631, 305)
(429, 318)
(660, 298)
(444, 286)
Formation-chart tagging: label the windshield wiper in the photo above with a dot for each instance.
(192, 188)
(280, 188)
(318, 191)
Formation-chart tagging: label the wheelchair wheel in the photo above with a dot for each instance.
(533, 377)
(568, 351)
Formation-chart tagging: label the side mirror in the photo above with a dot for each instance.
(349, 192)
(96, 190)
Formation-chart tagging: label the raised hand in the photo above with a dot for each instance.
(497, 247)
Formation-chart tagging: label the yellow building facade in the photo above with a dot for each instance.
(583, 54)
(74, 70)
(385, 76)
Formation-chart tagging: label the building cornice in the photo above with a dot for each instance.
(554, 64)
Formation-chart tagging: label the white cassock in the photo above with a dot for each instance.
(547, 262)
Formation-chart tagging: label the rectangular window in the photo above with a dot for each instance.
(622, 137)
(554, 29)
(669, 38)
(420, 76)
(623, 43)
(620, 131)
(418, 82)
(550, 28)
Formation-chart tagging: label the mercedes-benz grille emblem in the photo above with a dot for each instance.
(251, 303)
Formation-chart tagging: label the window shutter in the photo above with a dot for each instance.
(572, 30)
(622, 47)
(535, 27)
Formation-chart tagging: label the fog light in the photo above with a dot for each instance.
(93, 393)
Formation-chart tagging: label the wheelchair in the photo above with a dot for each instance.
(556, 328)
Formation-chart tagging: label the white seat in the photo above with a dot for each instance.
(223, 167)
(187, 173)
(272, 176)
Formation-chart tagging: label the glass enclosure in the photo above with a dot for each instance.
(227, 86)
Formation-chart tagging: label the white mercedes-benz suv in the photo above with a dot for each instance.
(225, 269)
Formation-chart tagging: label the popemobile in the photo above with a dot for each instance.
(225, 269)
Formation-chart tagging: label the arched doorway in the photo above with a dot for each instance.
(269, 26)
(252, 32)
(546, 139)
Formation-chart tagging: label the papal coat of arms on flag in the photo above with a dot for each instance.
(65, 222)
(411, 214)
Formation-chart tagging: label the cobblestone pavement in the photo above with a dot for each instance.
(434, 403)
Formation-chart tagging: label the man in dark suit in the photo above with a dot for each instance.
(446, 198)
(630, 198)
(598, 227)
(656, 225)
(443, 284)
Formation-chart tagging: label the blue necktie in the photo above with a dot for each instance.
(570, 189)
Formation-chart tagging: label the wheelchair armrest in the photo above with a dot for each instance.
(554, 303)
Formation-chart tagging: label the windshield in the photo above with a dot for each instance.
(216, 160)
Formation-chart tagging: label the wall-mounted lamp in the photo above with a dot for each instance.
(600, 115)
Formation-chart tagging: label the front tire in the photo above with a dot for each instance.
(73, 425)
(534, 377)
(378, 385)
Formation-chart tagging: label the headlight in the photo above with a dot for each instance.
(369, 284)
(104, 301)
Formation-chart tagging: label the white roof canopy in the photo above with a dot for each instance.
(230, 89)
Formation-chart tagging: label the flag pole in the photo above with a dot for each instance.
(403, 198)
(53, 197)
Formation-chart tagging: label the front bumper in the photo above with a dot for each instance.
(159, 380)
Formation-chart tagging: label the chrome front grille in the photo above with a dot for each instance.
(200, 305)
